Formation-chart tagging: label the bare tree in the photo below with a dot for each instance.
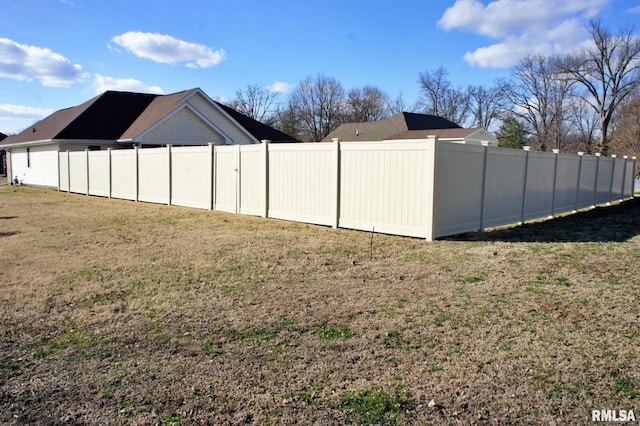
(538, 96)
(583, 122)
(609, 71)
(626, 133)
(485, 104)
(318, 106)
(438, 97)
(257, 102)
(368, 103)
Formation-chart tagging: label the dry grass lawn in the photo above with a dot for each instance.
(114, 312)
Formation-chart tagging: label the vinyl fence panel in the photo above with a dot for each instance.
(124, 174)
(504, 185)
(588, 175)
(300, 177)
(226, 178)
(153, 175)
(383, 187)
(99, 179)
(540, 184)
(459, 171)
(252, 179)
(63, 168)
(603, 186)
(191, 176)
(566, 186)
(78, 179)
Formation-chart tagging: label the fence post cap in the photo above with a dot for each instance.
(580, 153)
(555, 151)
(265, 140)
(526, 147)
(335, 139)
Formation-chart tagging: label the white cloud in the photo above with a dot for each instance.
(521, 27)
(169, 50)
(102, 83)
(23, 111)
(24, 62)
(279, 87)
(635, 9)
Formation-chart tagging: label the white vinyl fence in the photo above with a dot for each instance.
(427, 189)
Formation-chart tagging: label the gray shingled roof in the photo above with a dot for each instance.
(383, 129)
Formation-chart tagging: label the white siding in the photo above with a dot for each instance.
(227, 126)
(183, 128)
(38, 167)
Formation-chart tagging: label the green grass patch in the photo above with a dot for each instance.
(377, 407)
(327, 331)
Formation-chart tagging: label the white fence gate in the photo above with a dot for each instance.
(427, 189)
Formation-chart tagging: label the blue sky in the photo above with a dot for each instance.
(59, 53)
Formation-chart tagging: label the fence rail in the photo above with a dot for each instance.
(427, 189)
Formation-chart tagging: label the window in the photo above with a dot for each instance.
(28, 158)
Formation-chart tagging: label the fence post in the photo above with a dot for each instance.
(265, 153)
(555, 183)
(86, 152)
(484, 184)
(523, 208)
(575, 207)
(335, 184)
(135, 151)
(212, 175)
(109, 170)
(613, 174)
(169, 174)
(238, 179)
(633, 179)
(68, 173)
(624, 177)
(59, 170)
(595, 185)
(431, 186)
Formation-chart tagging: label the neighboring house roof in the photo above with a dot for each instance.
(122, 116)
(473, 134)
(383, 129)
(2, 136)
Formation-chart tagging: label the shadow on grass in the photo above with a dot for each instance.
(617, 223)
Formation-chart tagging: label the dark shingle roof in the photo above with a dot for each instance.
(383, 129)
(104, 117)
(441, 133)
(259, 130)
(2, 136)
(125, 115)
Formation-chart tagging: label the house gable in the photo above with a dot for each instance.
(185, 127)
